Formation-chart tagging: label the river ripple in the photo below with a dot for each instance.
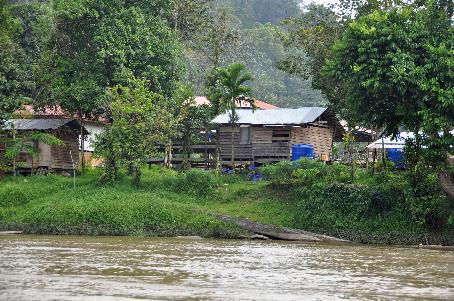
(128, 268)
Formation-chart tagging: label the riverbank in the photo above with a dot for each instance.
(172, 204)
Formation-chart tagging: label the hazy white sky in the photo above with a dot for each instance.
(320, 1)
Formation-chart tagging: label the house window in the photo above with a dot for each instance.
(281, 136)
(245, 135)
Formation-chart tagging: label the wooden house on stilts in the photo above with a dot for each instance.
(265, 136)
(50, 157)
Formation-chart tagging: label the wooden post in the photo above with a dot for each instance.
(218, 150)
(14, 160)
(206, 147)
(74, 169)
(383, 152)
(232, 117)
(82, 143)
(232, 153)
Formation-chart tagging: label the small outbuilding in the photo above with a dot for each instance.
(51, 157)
(264, 136)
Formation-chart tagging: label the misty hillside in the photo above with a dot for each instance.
(260, 48)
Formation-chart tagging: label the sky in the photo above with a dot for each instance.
(323, 2)
(320, 1)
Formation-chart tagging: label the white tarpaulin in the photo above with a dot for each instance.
(398, 142)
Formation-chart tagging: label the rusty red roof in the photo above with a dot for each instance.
(259, 104)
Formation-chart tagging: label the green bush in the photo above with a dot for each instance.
(304, 172)
(279, 173)
(313, 172)
(360, 201)
(195, 181)
(426, 201)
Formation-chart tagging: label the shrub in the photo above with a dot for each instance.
(196, 181)
(356, 201)
(313, 172)
(305, 172)
(426, 201)
(279, 173)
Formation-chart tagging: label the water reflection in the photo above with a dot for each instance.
(123, 268)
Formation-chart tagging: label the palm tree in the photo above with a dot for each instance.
(233, 91)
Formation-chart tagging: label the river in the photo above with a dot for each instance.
(131, 268)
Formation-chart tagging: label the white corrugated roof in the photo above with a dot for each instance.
(41, 124)
(36, 124)
(398, 142)
(274, 116)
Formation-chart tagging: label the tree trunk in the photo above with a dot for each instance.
(170, 155)
(206, 147)
(137, 174)
(352, 167)
(111, 168)
(233, 147)
(82, 143)
(14, 159)
(130, 169)
(218, 152)
(383, 152)
(374, 157)
(446, 183)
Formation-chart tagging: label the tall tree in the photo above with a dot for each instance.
(14, 82)
(232, 91)
(100, 44)
(141, 120)
(394, 69)
(38, 23)
(193, 122)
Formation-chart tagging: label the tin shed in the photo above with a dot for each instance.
(53, 157)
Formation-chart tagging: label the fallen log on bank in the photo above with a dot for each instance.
(278, 233)
(10, 232)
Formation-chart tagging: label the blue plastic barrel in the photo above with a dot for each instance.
(302, 151)
(396, 156)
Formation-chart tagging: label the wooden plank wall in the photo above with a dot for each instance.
(320, 137)
(52, 157)
(263, 147)
(60, 155)
(242, 151)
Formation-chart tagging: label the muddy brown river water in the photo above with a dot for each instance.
(128, 268)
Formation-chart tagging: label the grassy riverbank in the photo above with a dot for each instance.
(50, 205)
(313, 197)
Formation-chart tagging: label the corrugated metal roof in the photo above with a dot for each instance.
(274, 116)
(35, 124)
(398, 142)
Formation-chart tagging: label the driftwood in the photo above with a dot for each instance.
(278, 233)
(10, 232)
